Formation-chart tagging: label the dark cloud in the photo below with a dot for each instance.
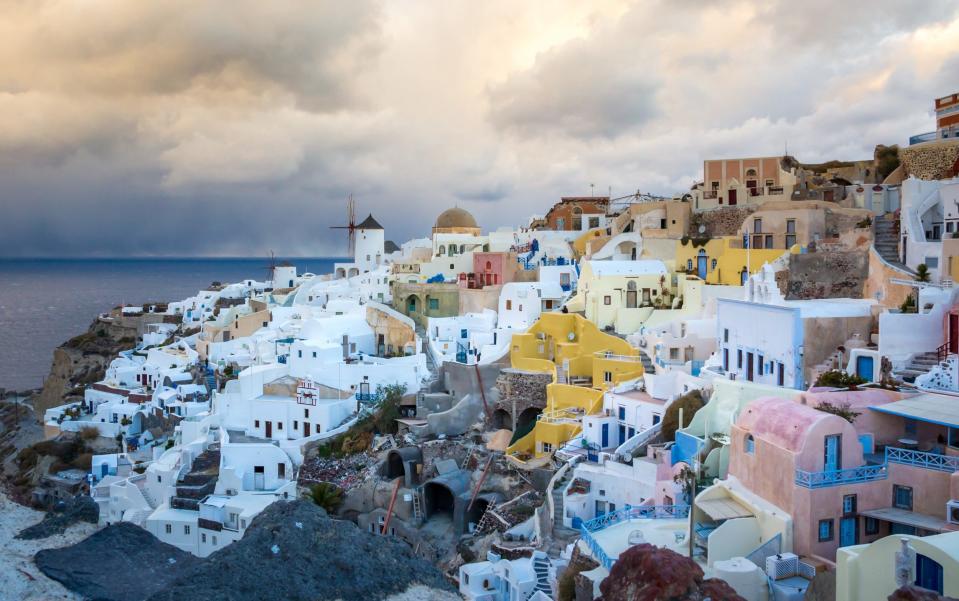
(240, 127)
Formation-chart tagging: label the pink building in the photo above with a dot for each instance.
(844, 484)
(493, 269)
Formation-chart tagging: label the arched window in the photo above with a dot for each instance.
(577, 211)
(750, 444)
(689, 264)
(462, 248)
(631, 285)
(442, 250)
(489, 266)
(750, 173)
(714, 264)
(702, 252)
(452, 249)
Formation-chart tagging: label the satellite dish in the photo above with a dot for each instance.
(571, 336)
(702, 229)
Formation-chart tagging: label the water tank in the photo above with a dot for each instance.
(748, 580)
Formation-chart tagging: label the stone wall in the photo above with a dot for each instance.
(520, 390)
(827, 275)
(932, 160)
(722, 221)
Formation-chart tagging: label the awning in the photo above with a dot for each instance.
(942, 409)
(909, 518)
(724, 509)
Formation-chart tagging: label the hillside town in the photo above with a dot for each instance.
(752, 384)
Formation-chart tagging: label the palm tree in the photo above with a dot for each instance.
(922, 273)
(326, 495)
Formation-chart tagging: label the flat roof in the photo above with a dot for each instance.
(930, 407)
(724, 509)
(910, 518)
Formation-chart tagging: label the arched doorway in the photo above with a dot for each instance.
(502, 420)
(438, 499)
(412, 304)
(702, 263)
(527, 418)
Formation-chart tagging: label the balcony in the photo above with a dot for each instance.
(599, 544)
(929, 461)
(920, 138)
(869, 473)
(827, 478)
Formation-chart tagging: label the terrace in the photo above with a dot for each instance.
(611, 534)
(879, 471)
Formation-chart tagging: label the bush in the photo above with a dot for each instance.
(908, 305)
(843, 410)
(690, 403)
(83, 461)
(88, 433)
(867, 222)
(837, 378)
(326, 495)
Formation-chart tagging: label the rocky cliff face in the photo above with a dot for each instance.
(83, 359)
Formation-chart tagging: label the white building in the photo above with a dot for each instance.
(508, 580)
(930, 213)
(368, 251)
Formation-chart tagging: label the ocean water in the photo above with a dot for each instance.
(44, 302)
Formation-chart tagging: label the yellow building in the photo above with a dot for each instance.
(867, 572)
(724, 260)
(583, 361)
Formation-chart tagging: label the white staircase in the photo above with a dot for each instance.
(541, 568)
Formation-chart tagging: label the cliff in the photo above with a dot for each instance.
(83, 359)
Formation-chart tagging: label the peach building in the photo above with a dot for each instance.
(752, 181)
(893, 472)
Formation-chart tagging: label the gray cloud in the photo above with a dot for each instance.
(234, 128)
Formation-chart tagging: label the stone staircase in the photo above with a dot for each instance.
(199, 482)
(648, 366)
(560, 531)
(919, 364)
(886, 242)
(541, 568)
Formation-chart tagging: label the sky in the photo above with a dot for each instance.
(240, 127)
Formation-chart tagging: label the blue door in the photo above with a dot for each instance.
(864, 367)
(847, 532)
(701, 264)
(622, 434)
(832, 462)
(928, 574)
(605, 435)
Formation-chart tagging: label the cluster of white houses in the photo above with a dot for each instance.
(624, 311)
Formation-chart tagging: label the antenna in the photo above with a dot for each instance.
(271, 273)
(350, 224)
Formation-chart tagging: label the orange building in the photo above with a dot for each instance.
(578, 213)
(947, 116)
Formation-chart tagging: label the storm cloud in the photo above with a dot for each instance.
(239, 127)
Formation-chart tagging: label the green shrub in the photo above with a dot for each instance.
(837, 378)
(326, 495)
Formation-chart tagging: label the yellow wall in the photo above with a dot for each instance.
(730, 260)
(564, 337)
(865, 572)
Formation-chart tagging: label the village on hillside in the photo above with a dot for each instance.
(756, 378)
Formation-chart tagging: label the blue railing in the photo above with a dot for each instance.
(825, 478)
(930, 461)
(869, 473)
(926, 137)
(645, 512)
(369, 396)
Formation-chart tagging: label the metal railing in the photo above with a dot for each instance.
(826, 478)
(647, 512)
(923, 459)
(614, 357)
(869, 473)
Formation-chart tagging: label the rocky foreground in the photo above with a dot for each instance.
(291, 551)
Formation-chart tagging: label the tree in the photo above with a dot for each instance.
(922, 273)
(326, 495)
(843, 410)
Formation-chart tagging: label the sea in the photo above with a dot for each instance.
(45, 302)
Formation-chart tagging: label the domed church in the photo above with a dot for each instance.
(456, 221)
